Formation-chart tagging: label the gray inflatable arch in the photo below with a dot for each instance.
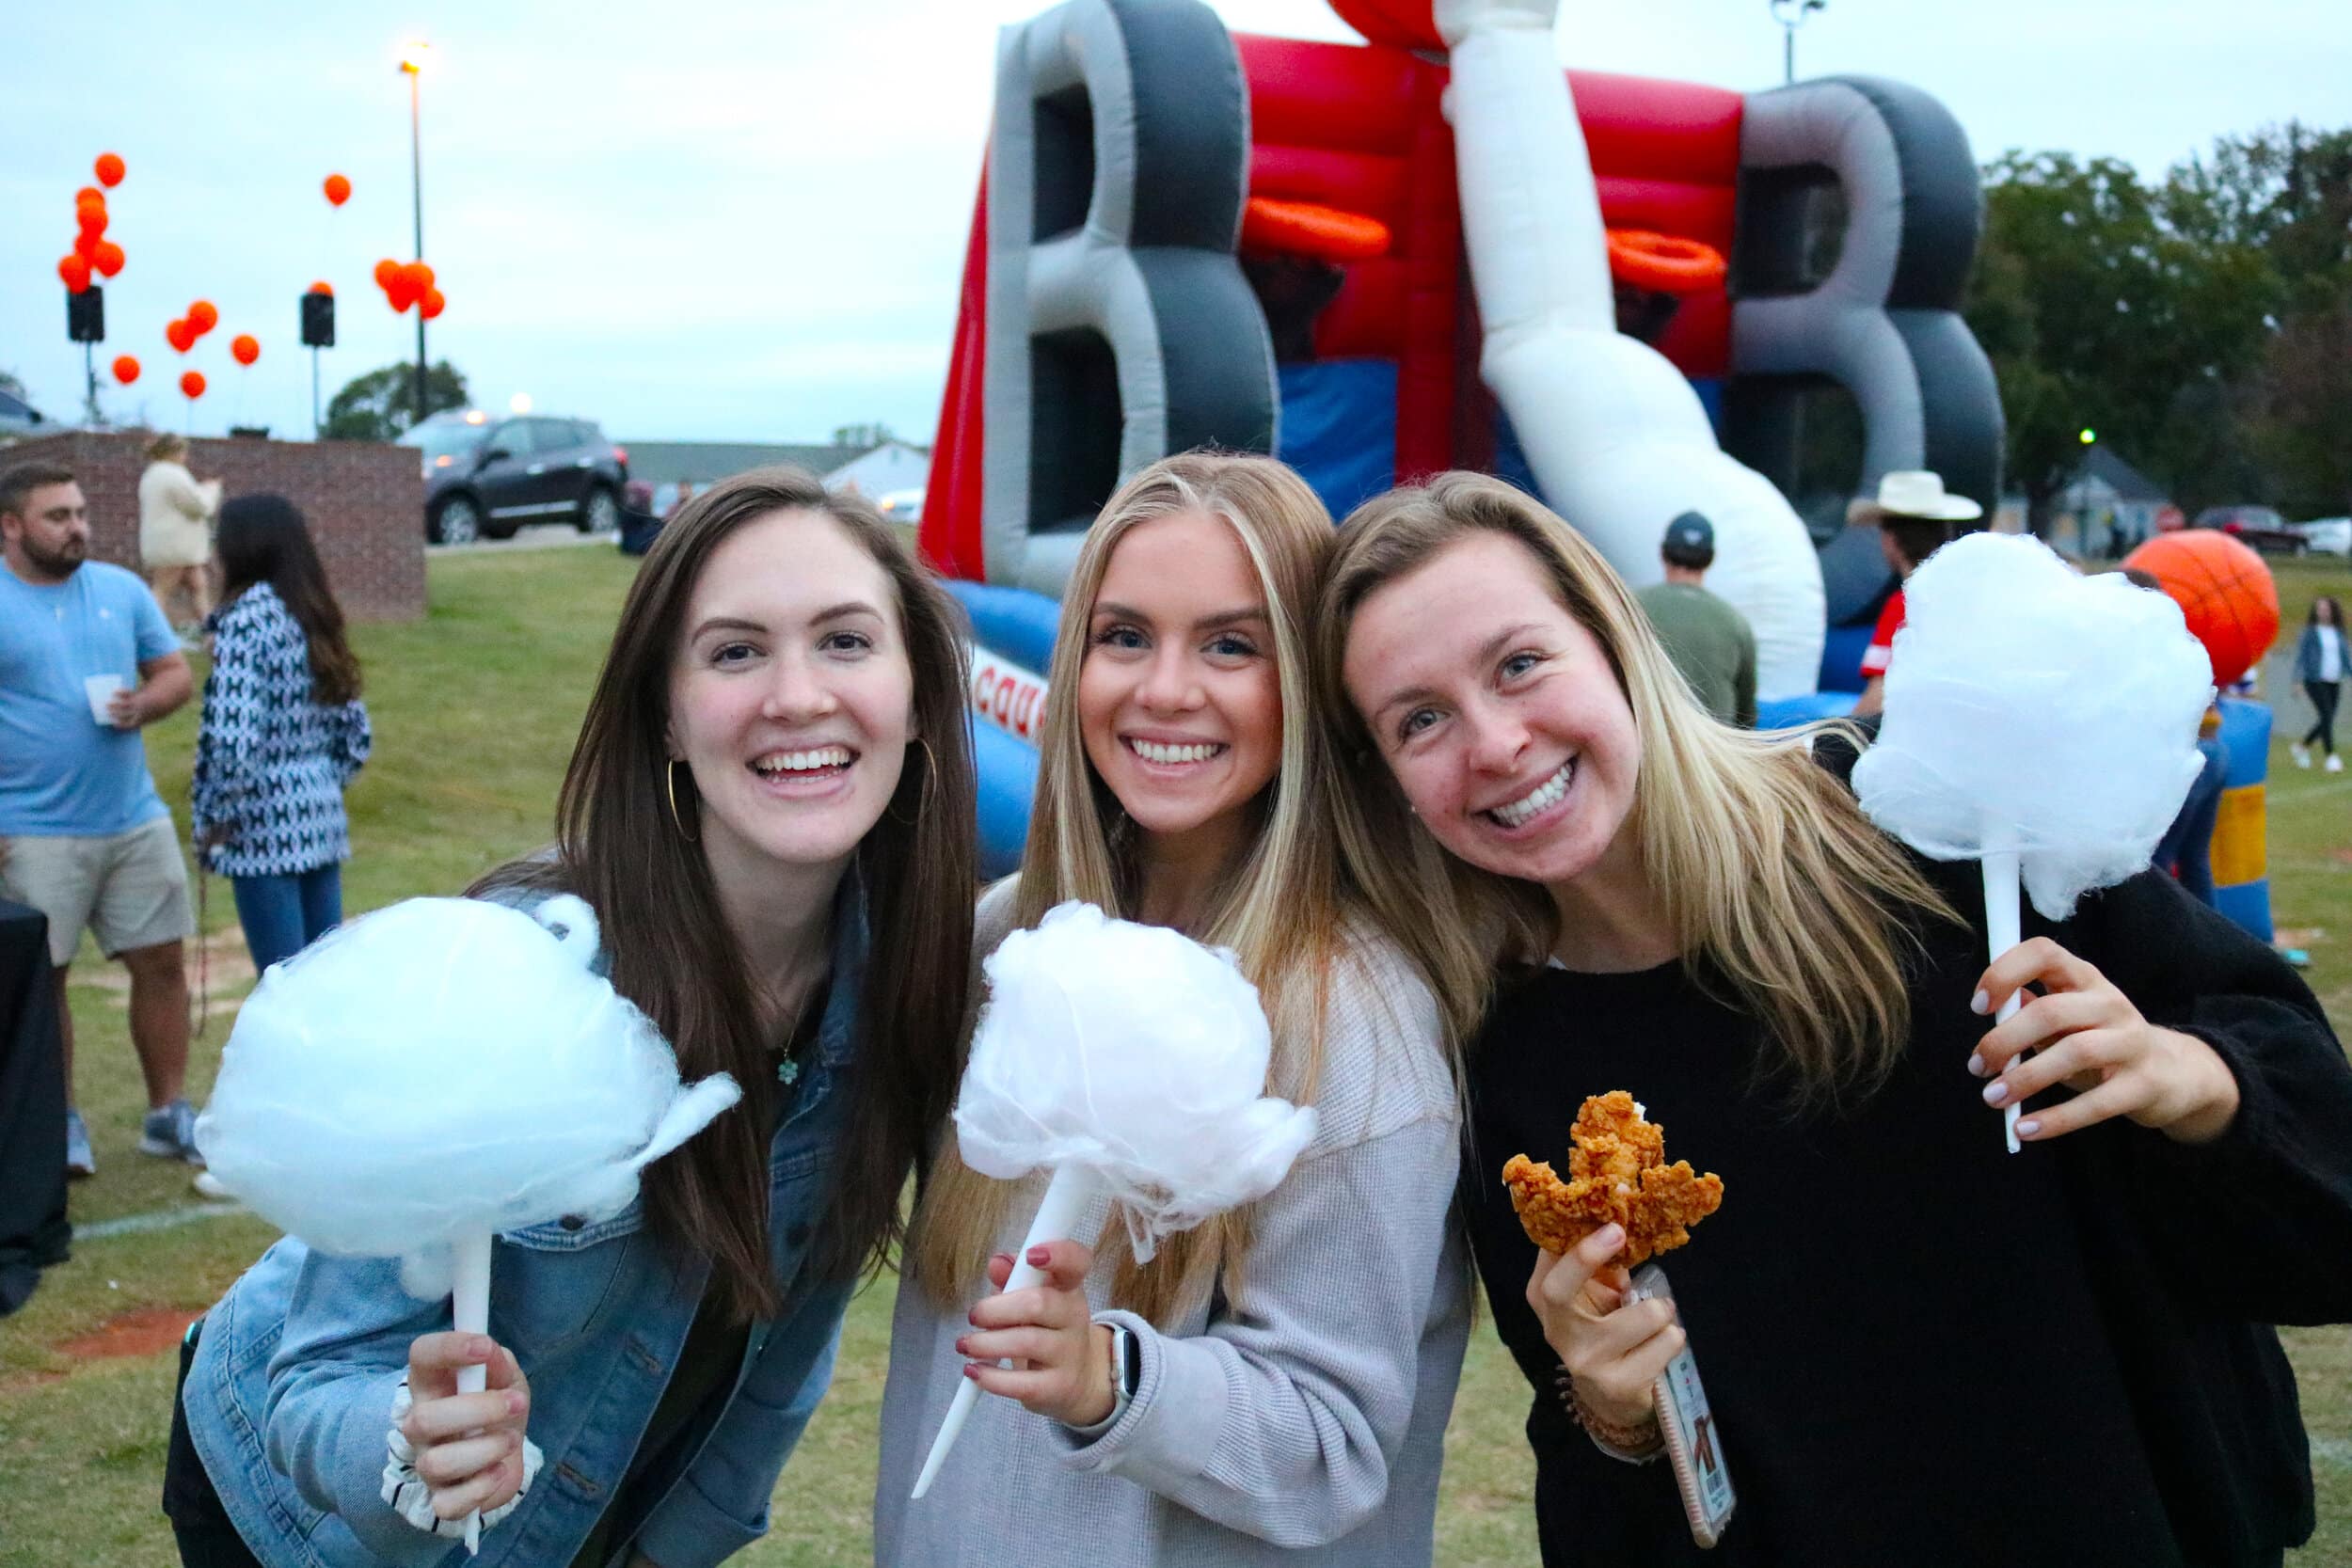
(1885, 322)
(1121, 329)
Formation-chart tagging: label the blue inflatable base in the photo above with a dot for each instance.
(1787, 713)
(1007, 770)
(1011, 622)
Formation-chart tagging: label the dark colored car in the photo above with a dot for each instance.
(486, 476)
(2258, 526)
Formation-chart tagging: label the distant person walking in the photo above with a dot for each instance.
(86, 659)
(283, 731)
(1915, 516)
(1709, 641)
(2319, 669)
(176, 512)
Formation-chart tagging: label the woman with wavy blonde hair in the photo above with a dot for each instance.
(1274, 1385)
(1702, 917)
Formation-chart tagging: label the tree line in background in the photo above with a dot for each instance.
(2201, 324)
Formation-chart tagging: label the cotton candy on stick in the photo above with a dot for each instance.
(2038, 721)
(1129, 1060)
(436, 1072)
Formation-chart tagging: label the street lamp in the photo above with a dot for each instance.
(412, 58)
(1791, 15)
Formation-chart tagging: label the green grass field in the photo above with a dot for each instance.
(475, 708)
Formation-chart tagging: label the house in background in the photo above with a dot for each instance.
(2106, 511)
(870, 469)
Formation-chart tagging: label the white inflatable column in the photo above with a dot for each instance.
(1616, 438)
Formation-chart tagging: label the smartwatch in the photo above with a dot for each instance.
(1126, 1370)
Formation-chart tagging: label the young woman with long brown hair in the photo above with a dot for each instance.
(1917, 1347)
(283, 731)
(771, 810)
(1274, 1385)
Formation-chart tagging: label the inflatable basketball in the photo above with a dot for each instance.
(2223, 588)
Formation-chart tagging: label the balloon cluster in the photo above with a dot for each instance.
(92, 252)
(183, 333)
(409, 283)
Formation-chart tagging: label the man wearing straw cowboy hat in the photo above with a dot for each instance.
(1915, 515)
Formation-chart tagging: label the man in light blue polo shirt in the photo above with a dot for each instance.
(86, 659)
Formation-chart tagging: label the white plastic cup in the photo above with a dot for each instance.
(101, 690)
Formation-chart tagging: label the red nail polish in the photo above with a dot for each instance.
(1038, 1257)
(961, 1350)
(971, 1368)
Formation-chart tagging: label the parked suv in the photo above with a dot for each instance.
(485, 477)
(2258, 526)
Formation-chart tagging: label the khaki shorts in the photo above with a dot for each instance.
(130, 888)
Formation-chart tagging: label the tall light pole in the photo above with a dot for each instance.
(412, 66)
(1791, 15)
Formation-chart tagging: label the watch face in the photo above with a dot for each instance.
(1130, 1361)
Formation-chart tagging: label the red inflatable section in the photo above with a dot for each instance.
(949, 533)
(1359, 130)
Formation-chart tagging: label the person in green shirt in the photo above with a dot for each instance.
(1708, 640)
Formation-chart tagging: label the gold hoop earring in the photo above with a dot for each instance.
(669, 787)
(930, 770)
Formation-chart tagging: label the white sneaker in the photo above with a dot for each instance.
(211, 1186)
(2335, 763)
(2302, 757)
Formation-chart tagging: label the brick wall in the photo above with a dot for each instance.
(365, 502)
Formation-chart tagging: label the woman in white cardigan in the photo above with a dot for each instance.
(176, 513)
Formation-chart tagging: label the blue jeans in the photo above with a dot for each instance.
(2186, 848)
(282, 915)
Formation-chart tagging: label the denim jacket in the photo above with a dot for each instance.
(289, 1399)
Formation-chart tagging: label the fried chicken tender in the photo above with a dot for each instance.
(1618, 1171)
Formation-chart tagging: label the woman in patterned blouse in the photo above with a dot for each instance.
(282, 732)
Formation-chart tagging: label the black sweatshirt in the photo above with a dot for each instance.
(1919, 1348)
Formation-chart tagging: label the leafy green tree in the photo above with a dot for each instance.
(2106, 304)
(2284, 194)
(381, 404)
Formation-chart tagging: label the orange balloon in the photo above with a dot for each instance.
(323, 287)
(192, 384)
(86, 246)
(433, 304)
(419, 276)
(245, 348)
(109, 258)
(2225, 592)
(75, 270)
(203, 317)
(110, 170)
(338, 190)
(91, 219)
(179, 334)
(87, 194)
(386, 271)
(126, 368)
(400, 296)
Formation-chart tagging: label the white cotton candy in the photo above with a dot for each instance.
(1136, 1053)
(2031, 708)
(440, 1068)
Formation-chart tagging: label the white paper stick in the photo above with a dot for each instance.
(2001, 919)
(470, 1314)
(1066, 1198)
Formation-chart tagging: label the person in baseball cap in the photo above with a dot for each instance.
(1708, 640)
(1915, 515)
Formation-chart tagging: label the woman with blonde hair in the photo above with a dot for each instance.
(1274, 1385)
(2058, 1357)
(176, 512)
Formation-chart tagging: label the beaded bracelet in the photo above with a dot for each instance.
(1638, 1444)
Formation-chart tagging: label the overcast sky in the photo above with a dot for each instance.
(709, 219)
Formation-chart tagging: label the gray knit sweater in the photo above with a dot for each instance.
(1302, 1421)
